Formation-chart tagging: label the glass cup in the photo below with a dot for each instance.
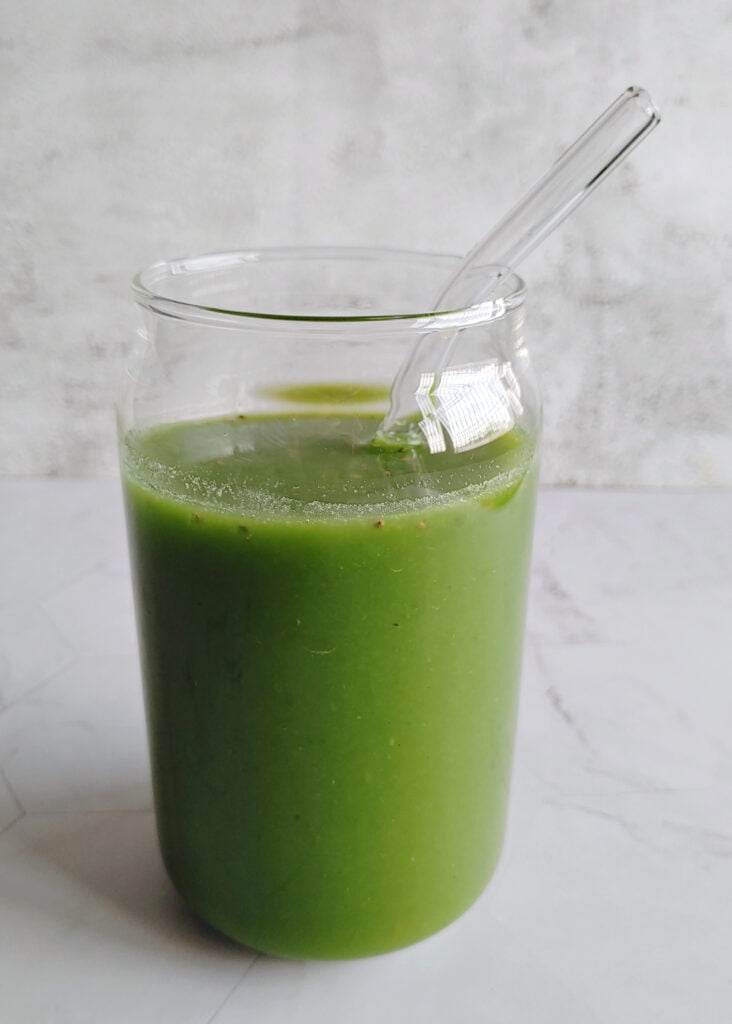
(330, 628)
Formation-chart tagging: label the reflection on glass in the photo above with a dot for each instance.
(473, 404)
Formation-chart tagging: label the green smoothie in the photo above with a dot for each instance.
(331, 640)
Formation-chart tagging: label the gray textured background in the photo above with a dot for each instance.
(139, 130)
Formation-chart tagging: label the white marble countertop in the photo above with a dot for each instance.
(612, 901)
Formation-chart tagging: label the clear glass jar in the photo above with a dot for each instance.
(330, 628)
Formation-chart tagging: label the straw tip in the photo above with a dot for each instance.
(645, 101)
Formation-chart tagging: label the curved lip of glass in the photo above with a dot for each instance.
(145, 289)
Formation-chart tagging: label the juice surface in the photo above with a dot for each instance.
(331, 643)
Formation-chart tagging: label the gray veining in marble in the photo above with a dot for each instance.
(134, 131)
(612, 899)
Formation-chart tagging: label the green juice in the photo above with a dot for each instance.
(331, 640)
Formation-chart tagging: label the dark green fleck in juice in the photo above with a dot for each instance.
(331, 642)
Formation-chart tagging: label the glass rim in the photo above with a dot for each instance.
(147, 293)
